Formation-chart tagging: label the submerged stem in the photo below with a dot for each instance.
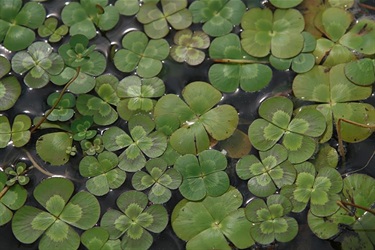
(341, 146)
(237, 61)
(4, 191)
(36, 165)
(366, 6)
(57, 101)
(358, 206)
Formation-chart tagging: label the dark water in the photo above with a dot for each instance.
(175, 76)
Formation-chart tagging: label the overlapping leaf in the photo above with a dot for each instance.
(143, 140)
(103, 172)
(155, 21)
(85, 16)
(17, 21)
(237, 68)
(204, 175)
(278, 33)
(62, 211)
(269, 220)
(276, 124)
(134, 221)
(269, 174)
(336, 94)
(159, 179)
(209, 223)
(39, 63)
(320, 189)
(218, 16)
(192, 122)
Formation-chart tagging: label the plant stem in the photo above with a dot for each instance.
(366, 6)
(358, 206)
(237, 61)
(36, 165)
(4, 191)
(57, 101)
(341, 147)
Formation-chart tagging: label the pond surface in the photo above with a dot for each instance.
(175, 76)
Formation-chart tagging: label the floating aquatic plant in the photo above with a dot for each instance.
(62, 211)
(212, 222)
(10, 88)
(135, 220)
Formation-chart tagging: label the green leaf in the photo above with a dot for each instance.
(106, 86)
(10, 88)
(139, 92)
(337, 93)
(361, 72)
(188, 47)
(82, 211)
(247, 74)
(132, 204)
(269, 220)
(285, 4)
(141, 54)
(360, 36)
(17, 21)
(103, 114)
(156, 22)
(202, 176)
(278, 32)
(358, 189)
(209, 221)
(52, 147)
(83, 18)
(218, 17)
(50, 29)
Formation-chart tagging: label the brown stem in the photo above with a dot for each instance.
(36, 165)
(341, 146)
(366, 6)
(57, 101)
(237, 61)
(4, 191)
(358, 206)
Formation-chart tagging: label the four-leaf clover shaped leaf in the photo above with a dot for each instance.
(83, 17)
(17, 21)
(297, 134)
(143, 140)
(268, 219)
(103, 173)
(141, 54)
(137, 93)
(204, 175)
(155, 21)
(192, 122)
(64, 109)
(278, 32)
(212, 222)
(160, 178)
(321, 189)
(39, 62)
(336, 96)
(218, 16)
(62, 211)
(135, 220)
(188, 47)
(50, 29)
(273, 171)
